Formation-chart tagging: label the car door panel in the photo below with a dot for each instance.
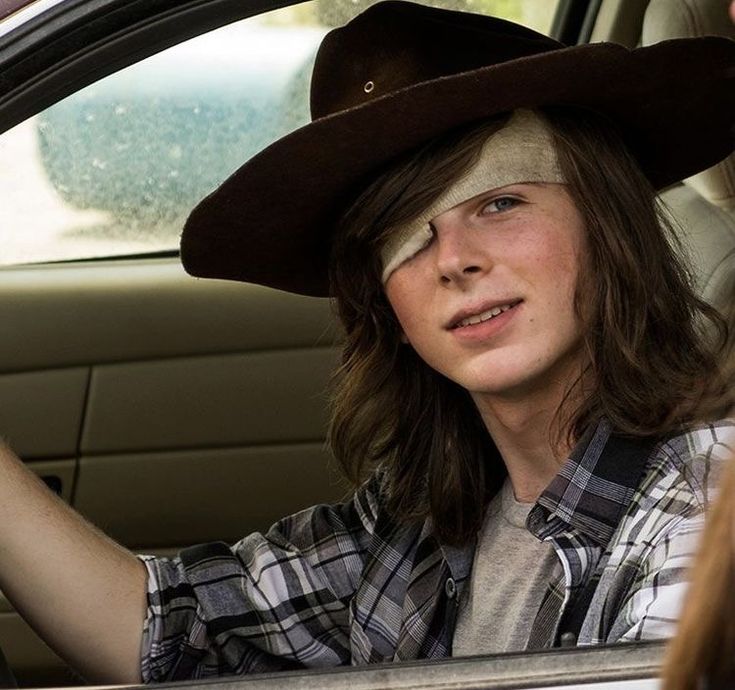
(169, 411)
(59, 475)
(32, 662)
(64, 315)
(215, 401)
(157, 501)
(149, 384)
(42, 411)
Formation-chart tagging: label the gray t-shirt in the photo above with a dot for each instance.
(510, 574)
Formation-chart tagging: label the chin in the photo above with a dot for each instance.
(506, 383)
(521, 380)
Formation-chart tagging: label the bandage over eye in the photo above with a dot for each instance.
(522, 151)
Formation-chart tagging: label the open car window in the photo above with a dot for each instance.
(113, 169)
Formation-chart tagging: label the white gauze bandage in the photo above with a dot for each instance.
(523, 151)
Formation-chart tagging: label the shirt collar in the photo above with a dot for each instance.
(594, 486)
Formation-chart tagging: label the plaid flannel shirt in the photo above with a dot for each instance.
(344, 584)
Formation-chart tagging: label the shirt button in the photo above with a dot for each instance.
(568, 639)
(450, 588)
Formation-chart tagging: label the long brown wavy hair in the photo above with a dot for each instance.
(652, 345)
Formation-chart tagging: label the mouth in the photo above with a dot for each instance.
(463, 321)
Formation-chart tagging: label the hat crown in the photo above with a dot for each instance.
(403, 74)
(395, 44)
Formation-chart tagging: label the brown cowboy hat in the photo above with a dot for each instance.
(400, 74)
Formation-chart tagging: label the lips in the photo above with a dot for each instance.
(474, 316)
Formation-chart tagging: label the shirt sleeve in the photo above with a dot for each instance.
(271, 602)
(654, 602)
(651, 578)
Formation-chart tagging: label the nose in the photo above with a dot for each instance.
(459, 255)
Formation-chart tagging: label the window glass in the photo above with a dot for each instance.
(113, 169)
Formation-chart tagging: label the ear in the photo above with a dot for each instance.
(404, 338)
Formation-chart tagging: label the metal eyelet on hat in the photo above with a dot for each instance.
(369, 86)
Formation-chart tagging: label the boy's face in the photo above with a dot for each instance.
(513, 252)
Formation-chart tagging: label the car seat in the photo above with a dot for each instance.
(703, 206)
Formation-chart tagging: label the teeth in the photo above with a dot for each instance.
(484, 316)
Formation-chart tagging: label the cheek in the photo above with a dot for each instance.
(405, 301)
(547, 265)
(563, 299)
(415, 328)
(562, 250)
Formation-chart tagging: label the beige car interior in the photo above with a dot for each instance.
(704, 205)
(171, 411)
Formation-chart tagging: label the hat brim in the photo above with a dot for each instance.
(271, 221)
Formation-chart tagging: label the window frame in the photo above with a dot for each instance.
(584, 668)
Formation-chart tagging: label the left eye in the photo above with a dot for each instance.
(502, 203)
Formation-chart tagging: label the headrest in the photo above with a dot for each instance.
(666, 19)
